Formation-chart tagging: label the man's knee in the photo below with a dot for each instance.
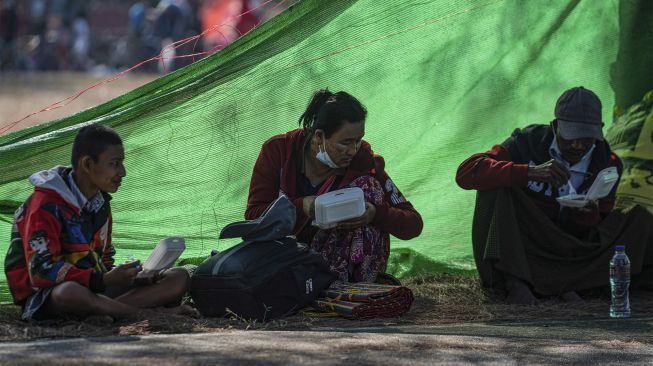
(640, 210)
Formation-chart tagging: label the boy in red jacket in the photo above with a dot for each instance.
(60, 260)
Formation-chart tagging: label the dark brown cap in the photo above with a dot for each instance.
(578, 112)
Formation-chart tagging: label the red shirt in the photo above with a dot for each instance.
(276, 170)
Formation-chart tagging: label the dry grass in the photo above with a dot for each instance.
(439, 299)
(442, 299)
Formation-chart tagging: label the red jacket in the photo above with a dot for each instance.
(275, 173)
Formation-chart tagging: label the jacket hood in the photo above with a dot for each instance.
(55, 179)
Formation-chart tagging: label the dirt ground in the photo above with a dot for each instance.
(439, 300)
(607, 342)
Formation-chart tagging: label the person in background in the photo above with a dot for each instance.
(81, 41)
(8, 33)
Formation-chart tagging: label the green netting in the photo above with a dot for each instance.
(441, 80)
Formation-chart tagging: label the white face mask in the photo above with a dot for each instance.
(324, 157)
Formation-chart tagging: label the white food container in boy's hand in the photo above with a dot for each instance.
(340, 205)
(603, 184)
(165, 254)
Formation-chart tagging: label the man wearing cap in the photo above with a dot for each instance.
(524, 241)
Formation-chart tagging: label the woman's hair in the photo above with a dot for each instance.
(328, 111)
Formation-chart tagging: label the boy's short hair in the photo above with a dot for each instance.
(93, 140)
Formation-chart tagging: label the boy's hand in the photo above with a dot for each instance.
(145, 278)
(123, 274)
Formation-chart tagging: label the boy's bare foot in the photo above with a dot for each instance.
(99, 320)
(571, 296)
(186, 310)
(519, 293)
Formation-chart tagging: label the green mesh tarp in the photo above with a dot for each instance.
(441, 80)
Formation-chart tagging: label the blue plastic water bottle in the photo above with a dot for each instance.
(619, 282)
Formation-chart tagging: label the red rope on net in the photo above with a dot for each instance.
(160, 57)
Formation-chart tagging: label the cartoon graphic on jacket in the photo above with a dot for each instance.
(59, 236)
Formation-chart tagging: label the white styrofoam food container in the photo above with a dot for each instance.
(603, 184)
(165, 253)
(340, 205)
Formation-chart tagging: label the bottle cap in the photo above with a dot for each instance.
(620, 248)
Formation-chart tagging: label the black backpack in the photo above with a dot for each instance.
(268, 275)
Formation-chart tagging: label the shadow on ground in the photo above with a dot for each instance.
(444, 304)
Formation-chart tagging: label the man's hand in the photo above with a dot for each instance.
(552, 172)
(367, 218)
(123, 274)
(590, 207)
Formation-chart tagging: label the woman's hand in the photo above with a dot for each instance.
(123, 274)
(308, 204)
(366, 219)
